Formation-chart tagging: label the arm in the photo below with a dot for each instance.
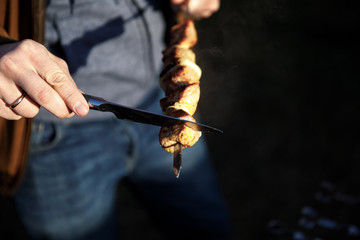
(27, 66)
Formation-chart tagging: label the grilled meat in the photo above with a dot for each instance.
(180, 82)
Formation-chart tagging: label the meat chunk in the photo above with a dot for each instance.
(170, 136)
(183, 34)
(185, 98)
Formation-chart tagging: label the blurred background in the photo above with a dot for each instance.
(280, 78)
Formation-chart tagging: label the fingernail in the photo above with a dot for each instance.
(80, 109)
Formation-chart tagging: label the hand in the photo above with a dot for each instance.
(28, 67)
(198, 8)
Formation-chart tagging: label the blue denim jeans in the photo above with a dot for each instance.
(69, 189)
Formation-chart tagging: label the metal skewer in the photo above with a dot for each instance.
(177, 160)
(181, 17)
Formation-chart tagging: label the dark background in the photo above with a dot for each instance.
(280, 78)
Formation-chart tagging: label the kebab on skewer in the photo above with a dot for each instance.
(180, 82)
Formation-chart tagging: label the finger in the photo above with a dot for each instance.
(61, 63)
(26, 108)
(10, 93)
(40, 61)
(43, 94)
(203, 9)
(64, 67)
(57, 75)
(6, 112)
(19, 66)
(204, 14)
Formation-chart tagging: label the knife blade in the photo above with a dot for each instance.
(143, 116)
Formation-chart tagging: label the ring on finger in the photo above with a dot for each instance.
(18, 101)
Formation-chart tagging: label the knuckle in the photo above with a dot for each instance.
(70, 95)
(7, 64)
(24, 50)
(43, 97)
(215, 6)
(28, 46)
(61, 62)
(56, 78)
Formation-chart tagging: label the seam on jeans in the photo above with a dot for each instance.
(47, 146)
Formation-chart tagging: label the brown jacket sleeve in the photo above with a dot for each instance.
(17, 22)
(14, 146)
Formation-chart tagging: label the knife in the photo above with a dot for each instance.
(142, 116)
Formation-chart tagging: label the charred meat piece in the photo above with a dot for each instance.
(170, 136)
(183, 73)
(174, 53)
(185, 98)
(183, 34)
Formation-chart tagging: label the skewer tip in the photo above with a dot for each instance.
(177, 160)
(177, 172)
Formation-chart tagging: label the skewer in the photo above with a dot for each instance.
(181, 16)
(177, 160)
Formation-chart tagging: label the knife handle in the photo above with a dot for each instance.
(88, 97)
(94, 102)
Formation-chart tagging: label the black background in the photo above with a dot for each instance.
(280, 78)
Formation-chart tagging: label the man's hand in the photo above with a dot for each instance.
(28, 67)
(198, 8)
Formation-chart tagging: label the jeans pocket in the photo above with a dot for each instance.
(44, 136)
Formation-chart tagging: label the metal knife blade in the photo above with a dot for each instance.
(142, 116)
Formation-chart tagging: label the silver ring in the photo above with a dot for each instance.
(18, 101)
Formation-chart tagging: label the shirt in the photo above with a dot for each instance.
(112, 47)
